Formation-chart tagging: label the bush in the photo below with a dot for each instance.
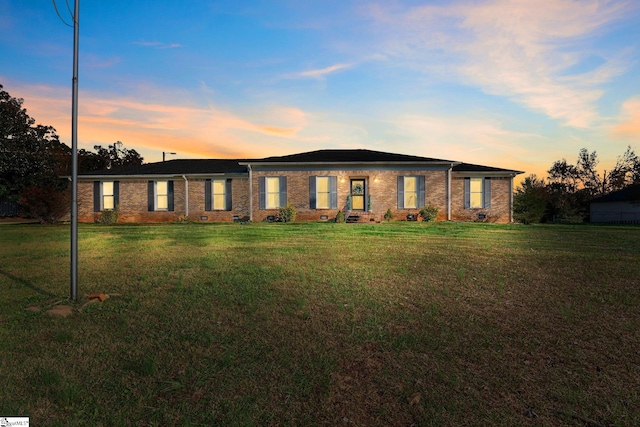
(530, 201)
(429, 213)
(46, 204)
(109, 216)
(287, 213)
(388, 216)
(340, 217)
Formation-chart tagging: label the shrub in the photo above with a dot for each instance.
(340, 217)
(530, 201)
(109, 216)
(46, 204)
(287, 213)
(388, 216)
(429, 213)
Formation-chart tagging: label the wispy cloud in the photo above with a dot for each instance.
(521, 50)
(158, 45)
(320, 73)
(629, 126)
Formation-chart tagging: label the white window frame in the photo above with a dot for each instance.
(157, 196)
(221, 183)
(408, 194)
(476, 187)
(268, 192)
(104, 195)
(326, 194)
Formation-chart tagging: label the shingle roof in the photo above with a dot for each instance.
(177, 167)
(231, 166)
(468, 167)
(627, 194)
(345, 156)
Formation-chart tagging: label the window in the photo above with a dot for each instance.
(477, 193)
(273, 192)
(108, 198)
(411, 192)
(105, 195)
(323, 192)
(217, 194)
(160, 196)
(475, 190)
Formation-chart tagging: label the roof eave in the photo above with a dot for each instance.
(395, 163)
(504, 173)
(160, 176)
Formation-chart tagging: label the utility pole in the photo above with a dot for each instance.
(166, 152)
(74, 156)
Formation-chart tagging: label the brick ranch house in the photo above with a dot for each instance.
(362, 183)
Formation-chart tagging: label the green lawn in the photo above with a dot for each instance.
(393, 324)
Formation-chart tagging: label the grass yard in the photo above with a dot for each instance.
(393, 324)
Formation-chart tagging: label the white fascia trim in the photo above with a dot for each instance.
(486, 174)
(305, 164)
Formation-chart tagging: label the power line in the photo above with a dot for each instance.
(55, 6)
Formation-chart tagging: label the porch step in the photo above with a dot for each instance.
(360, 217)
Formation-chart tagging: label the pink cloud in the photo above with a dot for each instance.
(629, 126)
(191, 130)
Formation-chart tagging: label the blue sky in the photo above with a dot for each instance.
(515, 84)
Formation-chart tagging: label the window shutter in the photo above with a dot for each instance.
(116, 194)
(96, 196)
(312, 192)
(487, 192)
(150, 196)
(421, 191)
(227, 194)
(170, 195)
(207, 195)
(283, 191)
(262, 192)
(333, 188)
(400, 192)
(467, 193)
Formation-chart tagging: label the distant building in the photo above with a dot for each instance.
(618, 207)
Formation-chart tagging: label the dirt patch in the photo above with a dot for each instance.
(60, 311)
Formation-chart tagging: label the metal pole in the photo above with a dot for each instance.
(74, 156)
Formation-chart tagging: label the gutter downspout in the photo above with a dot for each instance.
(511, 200)
(449, 193)
(186, 195)
(250, 193)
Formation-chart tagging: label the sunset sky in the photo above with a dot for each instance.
(514, 84)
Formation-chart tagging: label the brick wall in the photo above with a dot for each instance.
(500, 202)
(134, 204)
(381, 186)
(239, 202)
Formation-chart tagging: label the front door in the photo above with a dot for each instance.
(357, 194)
